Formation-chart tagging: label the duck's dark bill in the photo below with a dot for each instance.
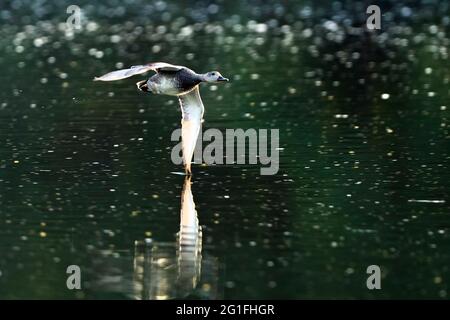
(222, 79)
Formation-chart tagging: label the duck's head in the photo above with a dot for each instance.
(214, 76)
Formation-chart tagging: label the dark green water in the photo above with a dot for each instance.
(85, 168)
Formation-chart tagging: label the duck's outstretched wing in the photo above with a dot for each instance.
(192, 111)
(134, 70)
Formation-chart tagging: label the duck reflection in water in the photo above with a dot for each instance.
(164, 272)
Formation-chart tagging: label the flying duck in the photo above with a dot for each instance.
(177, 81)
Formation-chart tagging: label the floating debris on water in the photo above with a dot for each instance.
(426, 201)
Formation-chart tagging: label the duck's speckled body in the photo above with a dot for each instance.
(173, 83)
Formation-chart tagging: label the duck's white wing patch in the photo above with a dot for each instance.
(134, 70)
(192, 110)
(157, 66)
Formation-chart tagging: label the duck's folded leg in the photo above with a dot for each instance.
(142, 85)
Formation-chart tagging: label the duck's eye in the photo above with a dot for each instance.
(213, 73)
